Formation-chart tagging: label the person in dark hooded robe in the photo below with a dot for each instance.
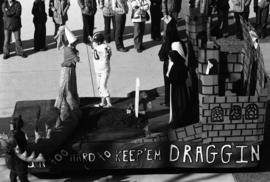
(171, 36)
(178, 74)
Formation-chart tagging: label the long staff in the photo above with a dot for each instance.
(91, 74)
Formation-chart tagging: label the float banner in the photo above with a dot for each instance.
(93, 156)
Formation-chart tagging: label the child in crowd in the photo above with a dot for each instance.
(101, 58)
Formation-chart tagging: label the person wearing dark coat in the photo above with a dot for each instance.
(171, 35)
(178, 74)
(244, 15)
(1, 28)
(156, 15)
(222, 7)
(40, 18)
(170, 8)
(88, 8)
(17, 138)
(11, 10)
(262, 12)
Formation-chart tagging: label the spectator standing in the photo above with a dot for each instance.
(1, 28)
(120, 9)
(59, 9)
(170, 8)
(244, 13)
(139, 16)
(88, 8)
(12, 10)
(156, 15)
(40, 18)
(171, 35)
(18, 167)
(261, 7)
(108, 14)
(222, 7)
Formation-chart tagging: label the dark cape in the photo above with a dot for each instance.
(180, 100)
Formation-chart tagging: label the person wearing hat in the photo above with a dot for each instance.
(68, 95)
(18, 167)
(178, 74)
(101, 58)
(12, 10)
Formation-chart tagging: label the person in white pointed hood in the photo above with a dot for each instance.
(178, 74)
(68, 95)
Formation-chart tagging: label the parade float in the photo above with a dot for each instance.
(227, 131)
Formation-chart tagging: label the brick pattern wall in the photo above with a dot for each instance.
(238, 118)
(185, 134)
(195, 24)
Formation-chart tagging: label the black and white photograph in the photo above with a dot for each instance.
(134, 91)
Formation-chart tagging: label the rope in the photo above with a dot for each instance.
(91, 74)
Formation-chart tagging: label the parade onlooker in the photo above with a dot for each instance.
(222, 12)
(170, 8)
(18, 167)
(1, 28)
(120, 9)
(101, 58)
(12, 10)
(108, 14)
(139, 16)
(156, 15)
(59, 9)
(68, 94)
(178, 74)
(171, 36)
(89, 8)
(244, 13)
(40, 18)
(261, 7)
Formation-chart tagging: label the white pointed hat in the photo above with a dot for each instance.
(177, 46)
(70, 36)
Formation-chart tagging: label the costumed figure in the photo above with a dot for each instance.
(18, 167)
(169, 38)
(101, 58)
(68, 95)
(178, 74)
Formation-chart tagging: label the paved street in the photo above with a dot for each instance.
(37, 78)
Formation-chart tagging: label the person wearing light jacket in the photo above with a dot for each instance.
(120, 8)
(59, 9)
(108, 14)
(139, 17)
(88, 8)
